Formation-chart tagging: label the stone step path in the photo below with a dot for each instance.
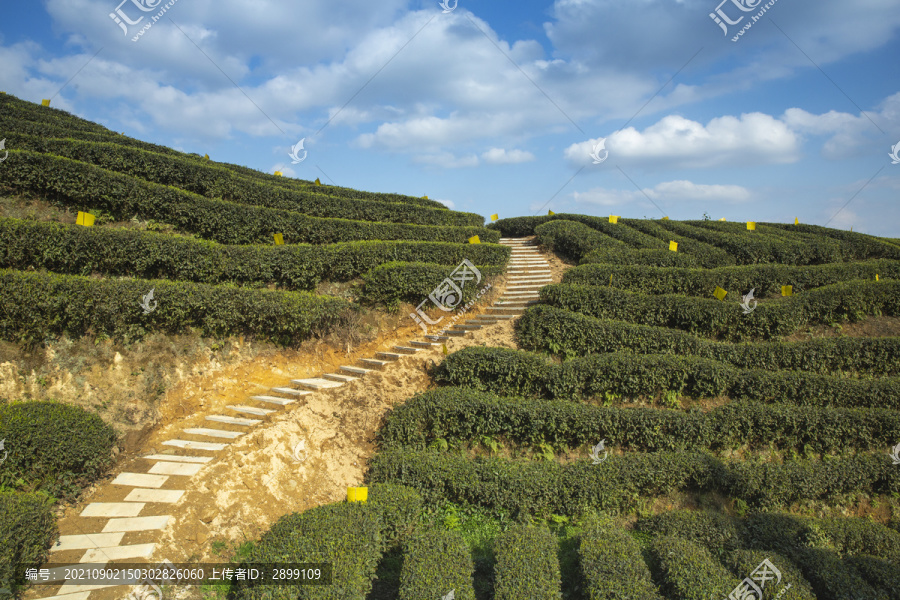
(108, 524)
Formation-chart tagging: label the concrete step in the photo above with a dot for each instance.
(529, 279)
(389, 355)
(454, 333)
(195, 445)
(374, 362)
(136, 524)
(406, 349)
(424, 344)
(316, 383)
(467, 327)
(87, 541)
(273, 400)
(339, 377)
(118, 552)
(76, 596)
(160, 496)
(216, 433)
(179, 458)
(112, 509)
(437, 338)
(356, 370)
(251, 410)
(524, 287)
(290, 391)
(171, 468)
(140, 480)
(233, 420)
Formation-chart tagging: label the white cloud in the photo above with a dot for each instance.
(675, 141)
(667, 192)
(500, 156)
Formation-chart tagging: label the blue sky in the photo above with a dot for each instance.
(495, 107)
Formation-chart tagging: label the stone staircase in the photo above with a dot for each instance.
(125, 528)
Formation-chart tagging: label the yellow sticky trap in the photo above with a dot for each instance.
(45, 102)
(722, 219)
(673, 246)
(494, 217)
(876, 276)
(719, 293)
(550, 213)
(787, 290)
(278, 174)
(426, 197)
(357, 494)
(85, 219)
(751, 225)
(474, 240)
(446, 352)
(279, 239)
(610, 280)
(206, 156)
(613, 219)
(665, 218)
(796, 221)
(317, 182)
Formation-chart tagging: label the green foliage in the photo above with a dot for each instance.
(54, 447)
(75, 184)
(743, 562)
(527, 564)
(215, 181)
(35, 307)
(850, 300)
(400, 508)
(27, 528)
(514, 372)
(715, 531)
(76, 250)
(435, 562)
(688, 571)
(464, 415)
(612, 565)
(347, 535)
(414, 281)
(559, 331)
(882, 575)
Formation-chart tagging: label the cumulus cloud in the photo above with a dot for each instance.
(500, 156)
(674, 141)
(666, 192)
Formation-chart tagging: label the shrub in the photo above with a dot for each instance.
(743, 562)
(400, 508)
(37, 306)
(688, 571)
(435, 562)
(54, 447)
(79, 185)
(549, 329)
(716, 532)
(527, 564)
(27, 528)
(612, 565)
(414, 281)
(347, 535)
(882, 575)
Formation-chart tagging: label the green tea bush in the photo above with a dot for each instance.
(436, 562)
(527, 564)
(743, 562)
(612, 565)
(27, 528)
(414, 281)
(54, 447)
(35, 307)
(347, 535)
(400, 508)
(549, 329)
(688, 571)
